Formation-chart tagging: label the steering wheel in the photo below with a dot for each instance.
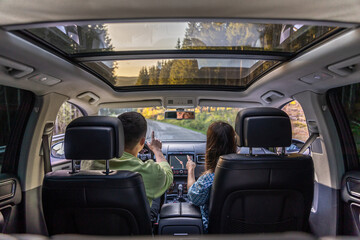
(144, 154)
(146, 147)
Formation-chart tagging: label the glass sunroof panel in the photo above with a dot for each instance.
(189, 35)
(171, 72)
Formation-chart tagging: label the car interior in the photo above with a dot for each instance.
(285, 74)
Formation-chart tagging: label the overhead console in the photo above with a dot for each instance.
(180, 102)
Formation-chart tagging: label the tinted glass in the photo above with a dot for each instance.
(223, 72)
(349, 97)
(225, 35)
(10, 101)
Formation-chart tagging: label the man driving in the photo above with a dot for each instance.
(157, 176)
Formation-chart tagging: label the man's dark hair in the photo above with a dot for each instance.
(135, 127)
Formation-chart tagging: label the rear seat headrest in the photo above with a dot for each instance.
(263, 127)
(94, 138)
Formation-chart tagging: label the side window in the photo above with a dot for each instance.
(349, 98)
(66, 114)
(299, 127)
(11, 100)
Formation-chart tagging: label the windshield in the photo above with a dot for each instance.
(178, 130)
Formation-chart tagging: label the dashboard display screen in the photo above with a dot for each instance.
(179, 161)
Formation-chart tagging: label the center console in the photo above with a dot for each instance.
(177, 161)
(178, 217)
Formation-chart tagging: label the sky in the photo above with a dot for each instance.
(143, 36)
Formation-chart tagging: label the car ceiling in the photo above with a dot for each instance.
(23, 12)
(284, 79)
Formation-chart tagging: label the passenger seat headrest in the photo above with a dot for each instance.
(263, 127)
(94, 138)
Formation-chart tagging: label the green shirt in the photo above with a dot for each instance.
(157, 177)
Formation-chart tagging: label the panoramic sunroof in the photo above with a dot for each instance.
(155, 72)
(197, 53)
(190, 35)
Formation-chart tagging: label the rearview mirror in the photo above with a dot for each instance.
(179, 115)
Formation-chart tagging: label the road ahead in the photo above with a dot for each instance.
(165, 131)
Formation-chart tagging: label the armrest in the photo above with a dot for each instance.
(170, 210)
(190, 210)
(182, 209)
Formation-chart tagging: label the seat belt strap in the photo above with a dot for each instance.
(308, 142)
(46, 147)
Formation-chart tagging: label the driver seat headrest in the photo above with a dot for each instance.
(263, 127)
(94, 138)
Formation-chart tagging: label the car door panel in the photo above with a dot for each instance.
(10, 197)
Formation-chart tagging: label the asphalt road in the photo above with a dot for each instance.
(165, 131)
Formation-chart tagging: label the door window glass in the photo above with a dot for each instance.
(349, 97)
(299, 127)
(67, 113)
(10, 101)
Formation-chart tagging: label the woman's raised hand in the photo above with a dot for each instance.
(190, 165)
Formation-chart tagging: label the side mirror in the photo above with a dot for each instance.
(57, 150)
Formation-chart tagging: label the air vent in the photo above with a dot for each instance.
(200, 159)
(14, 69)
(346, 67)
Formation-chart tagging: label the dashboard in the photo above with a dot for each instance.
(177, 154)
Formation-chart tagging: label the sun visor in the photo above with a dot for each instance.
(132, 104)
(220, 103)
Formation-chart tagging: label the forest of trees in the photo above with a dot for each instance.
(226, 36)
(66, 114)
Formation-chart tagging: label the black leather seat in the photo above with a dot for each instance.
(93, 202)
(262, 193)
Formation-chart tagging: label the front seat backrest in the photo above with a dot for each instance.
(94, 202)
(262, 193)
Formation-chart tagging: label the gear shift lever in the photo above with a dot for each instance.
(180, 197)
(180, 191)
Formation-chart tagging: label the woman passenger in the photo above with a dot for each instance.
(220, 140)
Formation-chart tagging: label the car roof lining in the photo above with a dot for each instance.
(283, 79)
(24, 12)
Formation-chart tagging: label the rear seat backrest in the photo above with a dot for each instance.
(92, 202)
(262, 193)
